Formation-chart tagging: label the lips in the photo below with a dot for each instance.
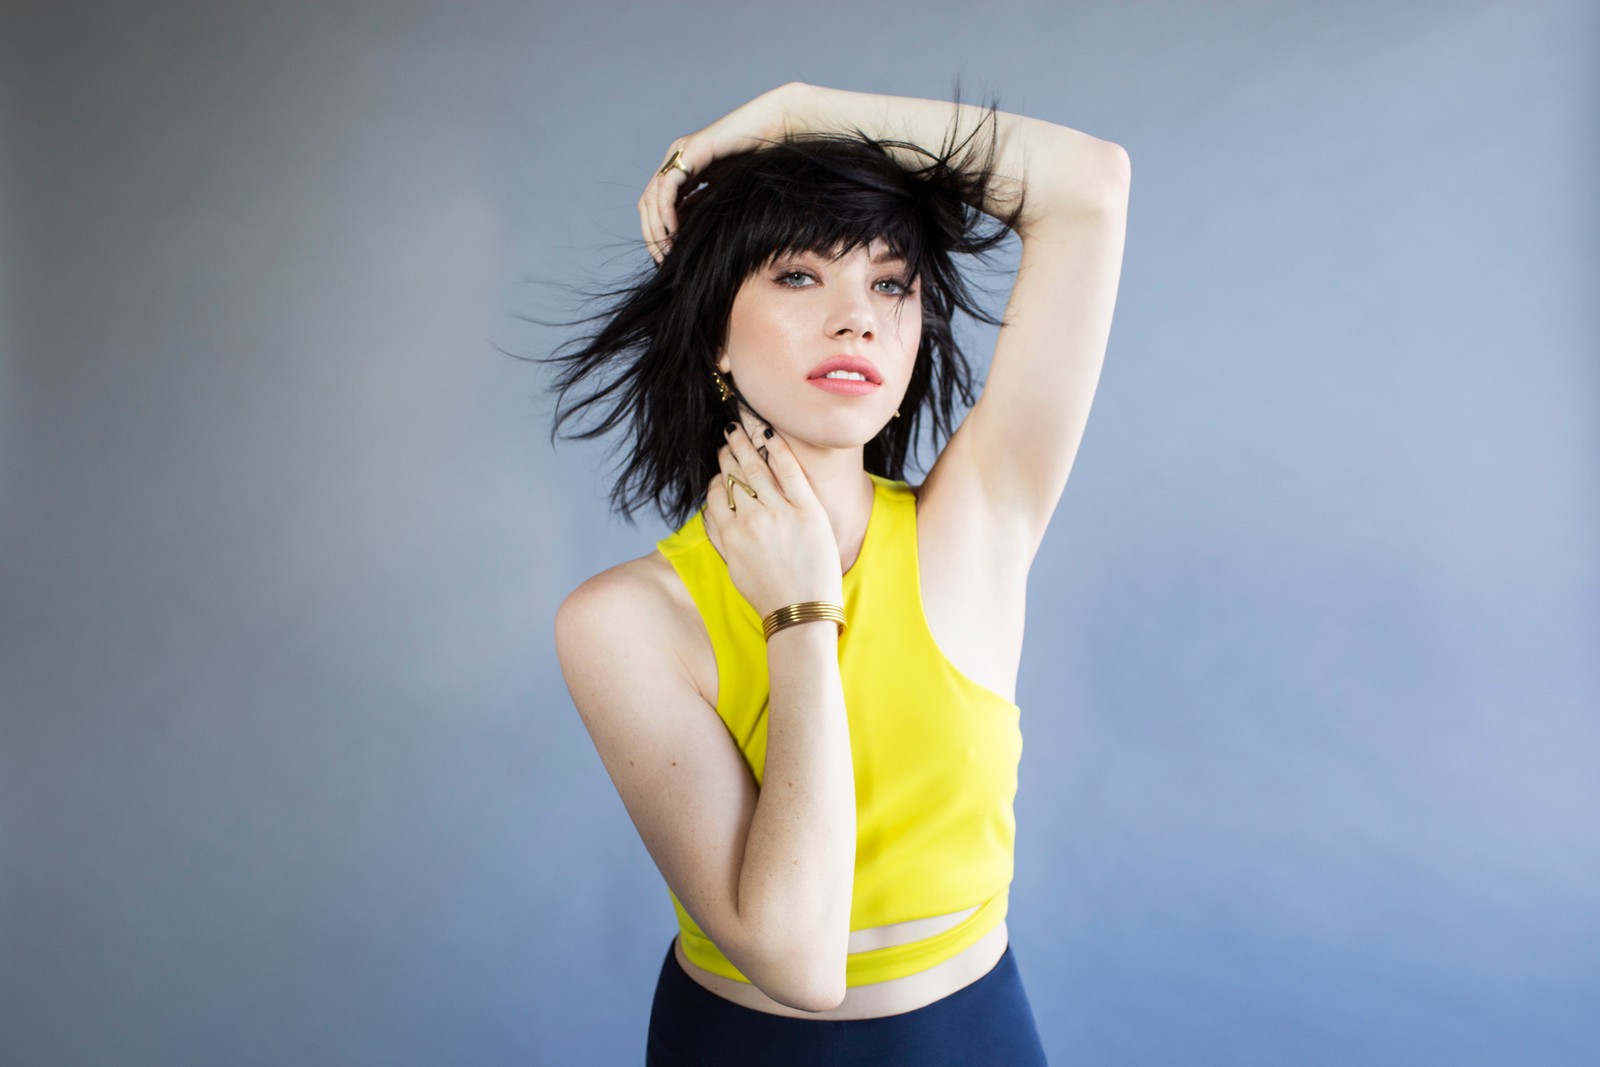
(844, 386)
(849, 363)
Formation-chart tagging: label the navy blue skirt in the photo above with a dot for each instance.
(987, 1022)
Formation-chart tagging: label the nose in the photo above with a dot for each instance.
(851, 314)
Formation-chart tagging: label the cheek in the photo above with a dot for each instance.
(758, 337)
(740, 337)
(752, 333)
(910, 332)
(908, 323)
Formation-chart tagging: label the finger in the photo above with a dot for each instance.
(657, 235)
(716, 515)
(668, 209)
(717, 510)
(753, 469)
(740, 493)
(786, 471)
(663, 217)
(757, 429)
(650, 223)
(664, 189)
(651, 206)
(729, 463)
(648, 226)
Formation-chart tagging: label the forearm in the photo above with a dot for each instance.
(798, 874)
(1056, 169)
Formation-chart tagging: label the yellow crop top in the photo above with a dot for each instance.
(935, 753)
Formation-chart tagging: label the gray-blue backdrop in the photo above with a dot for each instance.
(288, 774)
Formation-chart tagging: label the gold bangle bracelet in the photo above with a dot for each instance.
(808, 611)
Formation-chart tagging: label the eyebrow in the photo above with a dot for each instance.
(886, 256)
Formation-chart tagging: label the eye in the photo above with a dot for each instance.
(893, 286)
(795, 279)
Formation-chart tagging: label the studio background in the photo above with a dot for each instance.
(288, 773)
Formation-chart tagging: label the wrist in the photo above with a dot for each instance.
(805, 639)
(801, 613)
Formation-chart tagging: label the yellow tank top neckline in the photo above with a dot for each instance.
(934, 753)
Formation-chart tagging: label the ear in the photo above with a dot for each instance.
(724, 364)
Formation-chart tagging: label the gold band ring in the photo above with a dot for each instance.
(676, 160)
(732, 481)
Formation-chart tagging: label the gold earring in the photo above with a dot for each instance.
(722, 387)
(897, 413)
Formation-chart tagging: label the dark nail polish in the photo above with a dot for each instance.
(729, 428)
(767, 432)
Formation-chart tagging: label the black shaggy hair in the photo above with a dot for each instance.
(649, 363)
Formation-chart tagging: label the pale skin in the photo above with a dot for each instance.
(767, 872)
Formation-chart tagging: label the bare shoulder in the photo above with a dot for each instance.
(637, 585)
(637, 612)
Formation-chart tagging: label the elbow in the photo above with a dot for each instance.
(817, 986)
(1118, 167)
(1085, 178)
(822, 991)
(801, 975)
(819, 1000)
(1109, 178)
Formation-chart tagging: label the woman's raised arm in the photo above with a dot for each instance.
(1059, 168)
(1008, 462)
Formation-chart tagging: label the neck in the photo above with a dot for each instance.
(839, 479)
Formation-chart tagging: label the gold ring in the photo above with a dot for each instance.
(676, 160)
(732, 481)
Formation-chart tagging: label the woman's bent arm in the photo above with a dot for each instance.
(798, 875)
(767, 873)
(1057, 169)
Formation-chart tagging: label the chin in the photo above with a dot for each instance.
(841, 434)
(824, 422)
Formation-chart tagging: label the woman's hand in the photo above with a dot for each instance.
(743, 129)
(778, 543)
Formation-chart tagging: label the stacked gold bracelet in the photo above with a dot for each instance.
(808, 611)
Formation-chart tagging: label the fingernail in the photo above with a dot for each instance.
(729, 428)
(767, 432)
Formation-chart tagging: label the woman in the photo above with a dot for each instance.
(805, 695)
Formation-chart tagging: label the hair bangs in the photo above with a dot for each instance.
(822, 195)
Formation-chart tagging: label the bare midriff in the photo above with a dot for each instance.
(880, 998)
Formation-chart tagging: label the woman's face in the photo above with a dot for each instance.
(800, 313)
